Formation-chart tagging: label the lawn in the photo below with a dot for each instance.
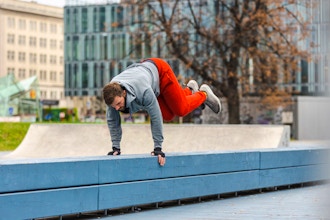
(12, 134)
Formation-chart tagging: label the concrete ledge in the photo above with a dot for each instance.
(150, 191)
(52, 173)
(44, 203)
(293, 157)
(292, 175)
(54, 187)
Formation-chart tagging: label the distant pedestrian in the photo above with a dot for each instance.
(152, 86)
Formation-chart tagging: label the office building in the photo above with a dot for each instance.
(31, 44)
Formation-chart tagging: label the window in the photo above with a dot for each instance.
(84, 76)
(61, 76)
(11, 71)
(53, 95)
(84, 20)
(21, 57)
(103, 47)
(33, 73)
(43, 75)
(53, 28)
(62, 29)
(53, 76)
(52, 59)
(33, 25)
(43, 27)
(11, 55)
(75, 20)
(43, 58)
(75, 48)
(43, 42)
(21, 40)
(11, 22)
(68, 50)
(11, 39)
(43, 94)
(22, 24)
(67, 20)
(33, 58)
(53, 44)
(21, 73)
(33, 41)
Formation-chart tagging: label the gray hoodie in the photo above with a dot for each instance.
(141, 82)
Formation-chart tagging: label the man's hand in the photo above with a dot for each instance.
(161, 155)
(115, 151)
(161, 160)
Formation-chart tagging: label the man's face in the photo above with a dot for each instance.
(119, 102)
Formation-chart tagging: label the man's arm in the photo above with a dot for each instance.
(114, 125)
(156, 120)
(152, 107)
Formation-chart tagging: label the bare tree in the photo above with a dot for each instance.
(240, 47)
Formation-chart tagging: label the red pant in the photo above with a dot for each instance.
(173, 99)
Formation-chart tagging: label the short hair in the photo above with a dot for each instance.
(110, 91)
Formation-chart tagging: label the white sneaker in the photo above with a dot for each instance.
(193, 86)
(212, 101)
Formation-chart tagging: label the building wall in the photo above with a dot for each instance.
(312, 118)
(31, 43)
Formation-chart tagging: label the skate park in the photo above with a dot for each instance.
(62, 169)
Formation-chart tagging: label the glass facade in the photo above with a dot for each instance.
(98, 46)
(314, 76)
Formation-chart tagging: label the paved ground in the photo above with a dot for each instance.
(306, 203)
(302, 203)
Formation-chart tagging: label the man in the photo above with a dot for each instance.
(152, 86)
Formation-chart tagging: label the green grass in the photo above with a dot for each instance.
(12, 134)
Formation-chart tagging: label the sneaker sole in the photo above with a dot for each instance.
(212, 101)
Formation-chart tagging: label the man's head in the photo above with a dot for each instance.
(114, 95)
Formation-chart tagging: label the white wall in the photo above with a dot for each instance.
(313, 118)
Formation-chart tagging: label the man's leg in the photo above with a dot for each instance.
(178, 100)
(187, 91)
(166, 112)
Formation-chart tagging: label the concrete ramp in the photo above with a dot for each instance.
(77, 140)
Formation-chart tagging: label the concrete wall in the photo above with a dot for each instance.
(312, 118)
